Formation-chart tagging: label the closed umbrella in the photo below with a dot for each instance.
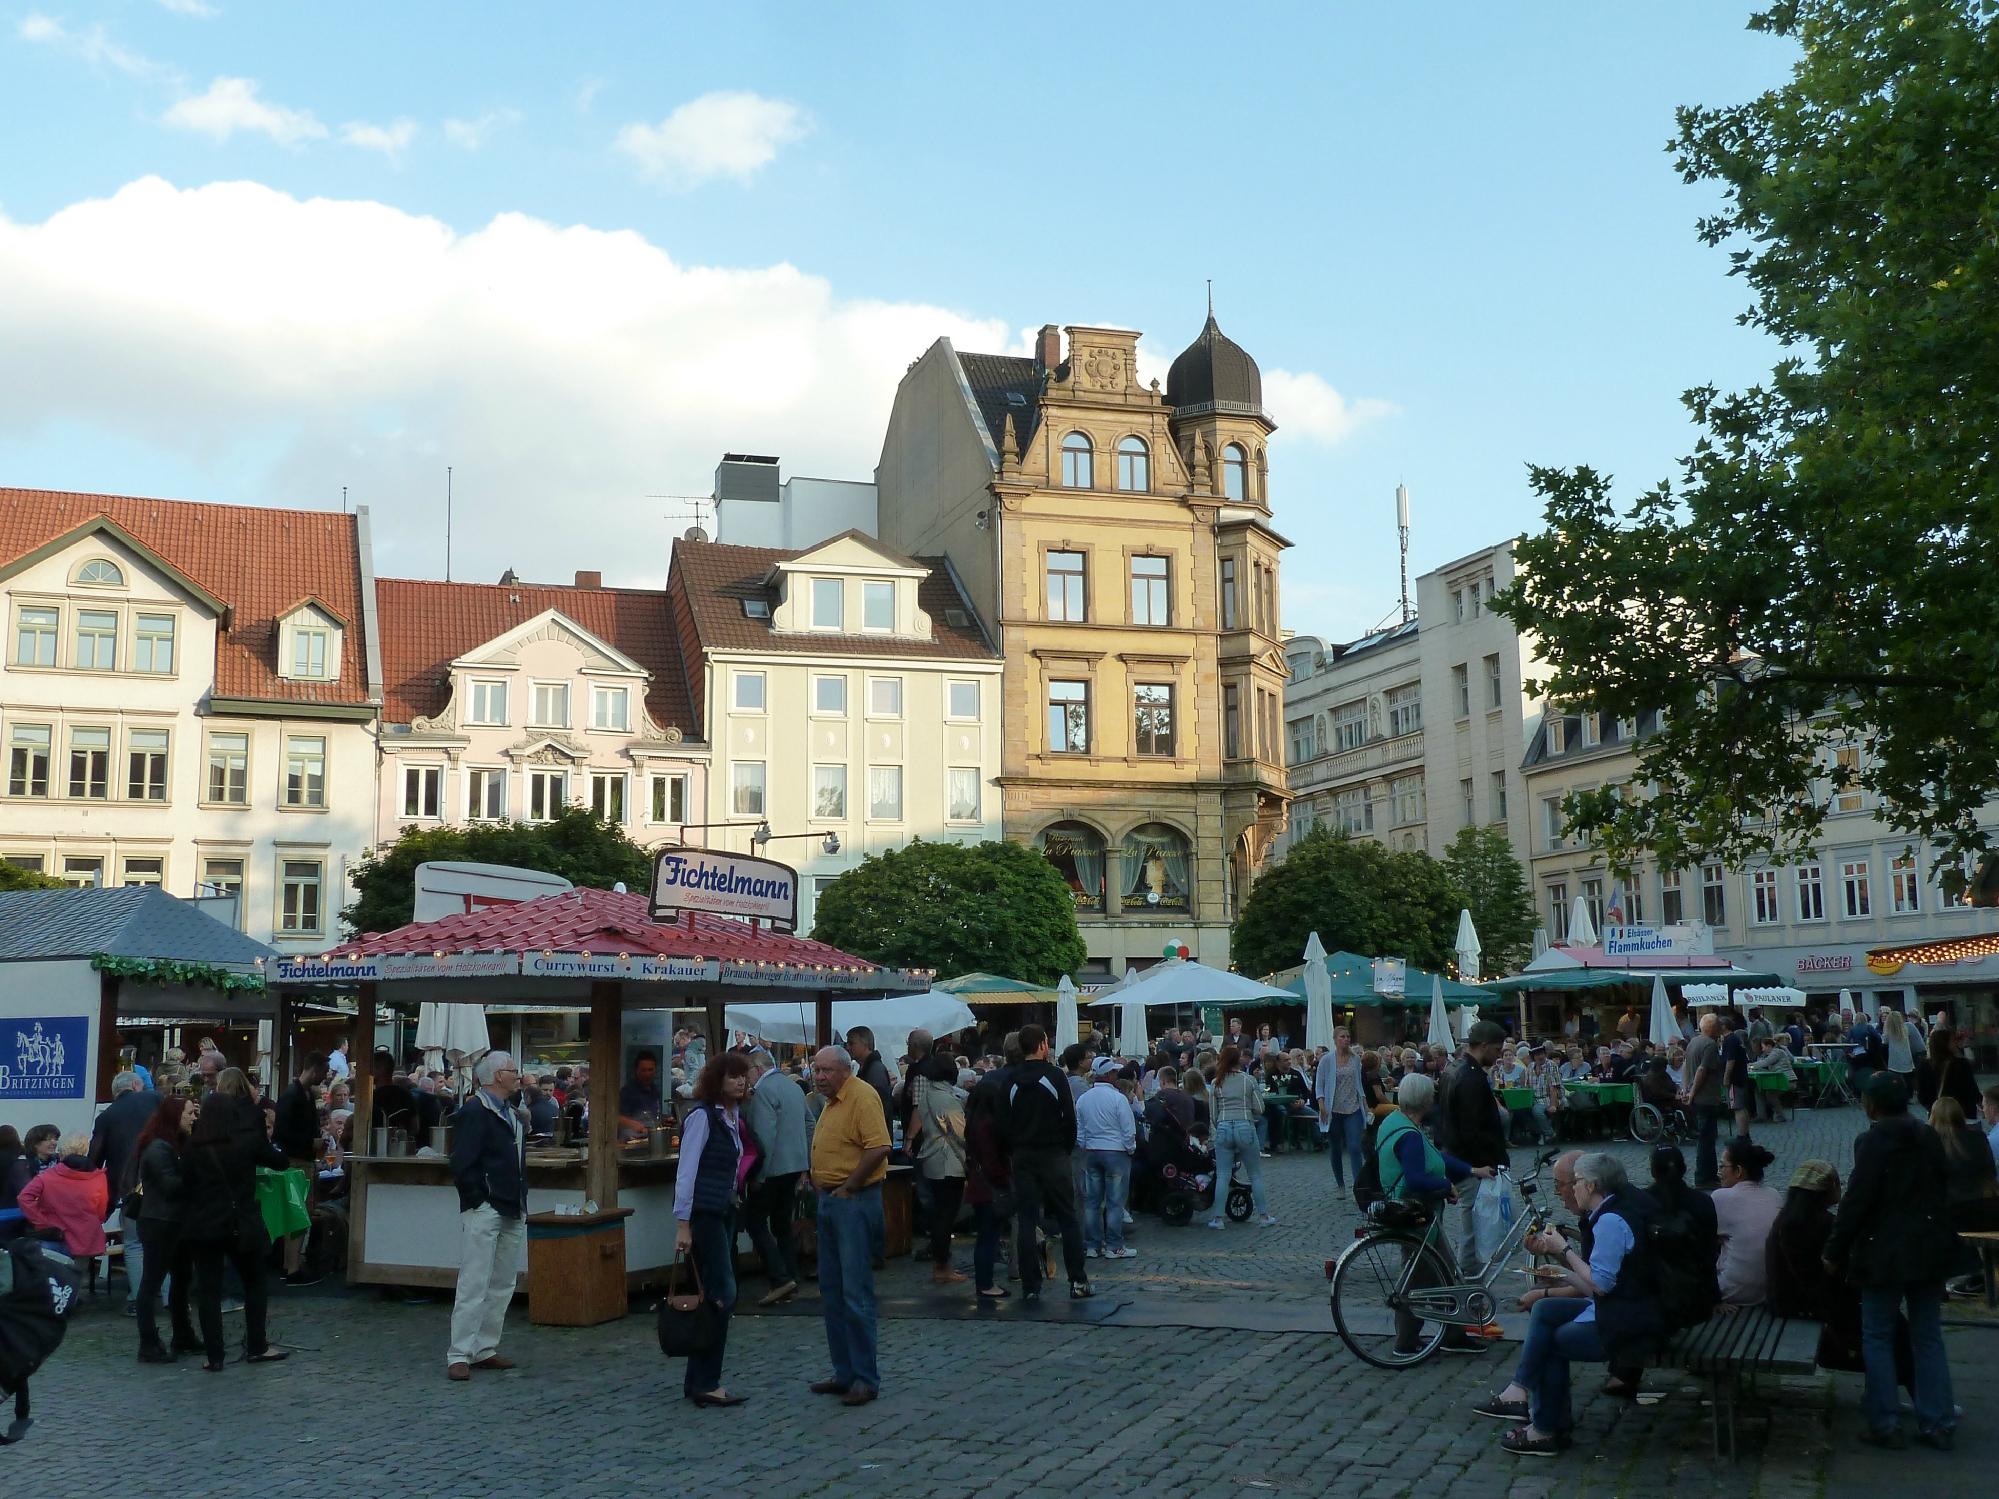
(1067, 1029)
(454, 1032)
(1541, 943)
(1467, 1018)
(1440, 1022)
(1132, 1040)
(1318, 995)
(1582, 931)
(1664, 1030)
(1468, 949)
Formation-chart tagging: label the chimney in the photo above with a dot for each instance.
(1048, 346)
(589, 580)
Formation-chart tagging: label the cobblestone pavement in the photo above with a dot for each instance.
(1191, 1387)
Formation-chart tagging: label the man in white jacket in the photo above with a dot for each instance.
(1107, 1135)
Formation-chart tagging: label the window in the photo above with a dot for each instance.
(746, 788)
(309, 652)
(423, 790)
(1235, 472)
(34, 862)
(1077, 852)
(1496, 796)
(1714, 896)
(90, 764)
(146, 765)
(1592, 891)
(667, 799)
(1232, 721)
(1495, 683)
(1457, 606)
(1304, 739)
(1228, 593)
(228, 770)
(1349, 726)
(756, 608)
(153, 643)
(1069, 718)
(223, 877)
(829, 604)
(35, 637)
(607, 796)
(1553, 823)
(485, 795)
(961, 701)
(83, 872)
(1811, 893)
(143, 871)
(548, 794)
(1763, 906)
(1134, 464)
(885, 793)
(1461, 689)
(489, 703)
(300, 882)
(829, 791)
(1853, 880)
(1634, 902)
(1907, 888)
(1405, 709)
(1149, 602)
(878, 606)
(1077, 469)
(1405, 795)
(1352, 811)
(1591, 727)
(28, 750)
(96, 640)
(1152, 718)
(1465, 793)
(749, 690)
(549, 702)
(1672, 905)
(884, 697)
(1155, 869)
(305, 771)
(1067, 597)
(610, 709)
(1847, 795)
(962, 794)
(1558, 733)
(829, 695)
(98, 573)
(1558, 912)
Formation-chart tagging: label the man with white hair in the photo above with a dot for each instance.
(850, 1146)
(489, 1165)
(776, 1115)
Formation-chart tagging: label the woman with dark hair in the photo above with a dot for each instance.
(162, 1191)
(220, 1219)
(1800, 1283)
(1670, 1190)
(717, 1154)
(1973, 1189)
(15, 1169)
(1942, 1073)
(1238, 1103)
(1744, 1211)
(40, 1146)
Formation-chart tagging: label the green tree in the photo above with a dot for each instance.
(1824, 577)
(578, 845)
(14, 877)
(992, 907)
(1481, 865)
(1358, 896)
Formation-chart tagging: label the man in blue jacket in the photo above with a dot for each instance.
(489, 1165)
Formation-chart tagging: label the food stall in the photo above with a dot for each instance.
(705, 945)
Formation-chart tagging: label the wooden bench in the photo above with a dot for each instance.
(1731, 1349)
(1987, 1245)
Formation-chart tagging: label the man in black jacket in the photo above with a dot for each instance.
(489, 1165)
(296, 1133)
(111, 1140)
(1037, 1127)
(1470, 1129)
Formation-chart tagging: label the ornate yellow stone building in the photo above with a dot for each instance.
(1117, 539)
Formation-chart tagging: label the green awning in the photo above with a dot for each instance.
(1353, 984)
(995, 989)
(1556, 980)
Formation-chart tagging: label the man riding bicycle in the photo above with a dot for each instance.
(1413, 1170)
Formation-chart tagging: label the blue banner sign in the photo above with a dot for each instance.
(43, 1056)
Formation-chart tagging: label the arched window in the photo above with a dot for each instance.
(1077, 852)
(101, 573)
(1134, 464)
(1235, 472)
(1155, 876)
(1078, 472)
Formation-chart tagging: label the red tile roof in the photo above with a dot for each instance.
(427, 625)
(259, 561)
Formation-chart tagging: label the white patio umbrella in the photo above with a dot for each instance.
(1582, 931)
(1440, 1022)
(1132, 1040)
(1541, 943)
(1664, 1030)
(1318, 995)
(1469, 950)
(1467, 1018)
(454, 1032)
(891, 1019)
(1068, 1030)
(1181, 981)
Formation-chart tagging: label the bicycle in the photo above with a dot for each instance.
(1395, 1274)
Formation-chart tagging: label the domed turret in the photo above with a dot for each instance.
(1214, 373)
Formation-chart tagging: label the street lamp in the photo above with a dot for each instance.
(763, 835)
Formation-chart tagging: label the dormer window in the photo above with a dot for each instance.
(1078, 470)
(309, 645)
(309, 653)
(756, 608)
(1235, 472)
(878, 606)
(829, 604)
(100, 572)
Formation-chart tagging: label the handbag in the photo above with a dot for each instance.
(687, 1324)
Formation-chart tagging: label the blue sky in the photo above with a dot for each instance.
(254, 252)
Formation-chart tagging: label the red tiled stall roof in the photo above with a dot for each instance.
(427, 625)
(598, 921)
(256, 560)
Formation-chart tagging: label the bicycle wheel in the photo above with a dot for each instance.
(1647, 1123)
(1364, 1301)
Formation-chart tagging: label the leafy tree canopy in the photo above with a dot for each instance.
(1481, 865)
(578, 845)
(1825, 574)
(992, 907)
(1358, 896)
(14, 877)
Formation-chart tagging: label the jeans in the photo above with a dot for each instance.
(164, 1254)
(1933, 1398)
(985, 1252)
(1106, 1182)
(1235, 1140)
(1041, 1181)
(1707, 1117)
(946, 1195)
(489, 1266)
(249, 1262)
(1554, 1341)
(849, 1229)
(1343, 1144)
(1466, 1247)
(767, 1215)
(1542, 1127)
(714, 1253)
(1263, 1131)
(135, 1262)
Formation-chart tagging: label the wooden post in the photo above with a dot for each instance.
(718, 1031)
(822, 1019)
(600, 1176)
(363, 1071)
(284, 1018)
(107, 1033)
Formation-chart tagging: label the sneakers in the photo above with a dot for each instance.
(1943, 1439)
(1267, 1221)
(1469, 1346)
(1501, 1410)
(1081, 1290)
(1121, 1254)
(781, 1292)
(1214, 1223)
(1264, 1154)
(1091, 1254)
(303, 1277)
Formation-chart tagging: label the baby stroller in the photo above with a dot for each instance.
(1184, 1180)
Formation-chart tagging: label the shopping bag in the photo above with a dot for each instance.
(688, 1324)
(1492, 1214)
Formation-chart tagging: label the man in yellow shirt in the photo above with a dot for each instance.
(850, 1145)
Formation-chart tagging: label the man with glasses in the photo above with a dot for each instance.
(489, 1165)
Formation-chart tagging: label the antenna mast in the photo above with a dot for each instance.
(447, 531)
(1402, 532)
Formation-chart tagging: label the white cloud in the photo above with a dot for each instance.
(390, 140)
(199, 10)
(93, 46)
(472, 134)
(231, 104)
(725, 134)
(1304, 405)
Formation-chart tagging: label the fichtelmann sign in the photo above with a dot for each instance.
(697, 879)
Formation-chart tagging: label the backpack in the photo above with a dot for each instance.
(1367, 1181)
(1684, 1267)
(38, 1282)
